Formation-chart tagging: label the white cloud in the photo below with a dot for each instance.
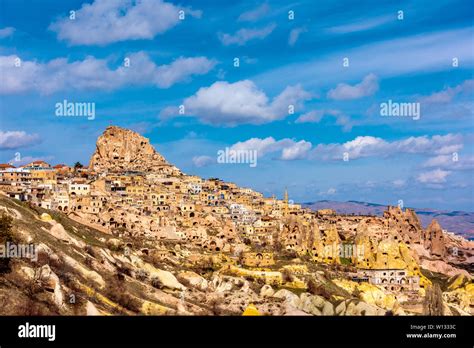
(91, 73)
(399, 183)
(330, 192)
(363, 146)
(255, 14)
(367, 87)
(242, 36)
(452, 162)
(262, 146)
(437, 144)
(297, 150)
(315, 116)
(203, 161)
(225, 103)
(295, 34)
(441, 160)
(447, 94)
(437, 176)
(368, 146)
(104, 21)
(180, 69)
(361, 25)
(6, 32)
(360, 147)
(16, 139)
(289, 148)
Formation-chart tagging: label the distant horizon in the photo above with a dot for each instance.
(385, 205)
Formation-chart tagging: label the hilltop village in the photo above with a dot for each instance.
(208, 247)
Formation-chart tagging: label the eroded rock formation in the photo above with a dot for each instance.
(119, 149)
(434, 239)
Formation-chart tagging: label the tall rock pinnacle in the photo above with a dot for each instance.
(121, 150)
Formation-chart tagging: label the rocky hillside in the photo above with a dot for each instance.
(459, 222)
(81, 271)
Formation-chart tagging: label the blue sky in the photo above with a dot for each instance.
(426, 162)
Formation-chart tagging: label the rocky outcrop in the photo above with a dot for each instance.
(440, 266)
(404, 224)
(193, 280)
(461, 299)
(458, 281)
(317, 305)
(288, 297)
(91, 309)
(354, 308)
(158, 277)
(311, 304)
(322, 242)
(266, 291)
(434, 239)
(58, 231)
(251, 310)
(370, 294)
(295, 234)
(119, 149)
(382, 254)
(50, 282)
(460, 294)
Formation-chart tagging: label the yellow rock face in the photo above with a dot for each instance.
(347, 285)
(374, 295)
(251, 310)
(270, 277)
(46, 217)
(365, 255)
(458, 281)
(296, 269)
(326, 246)
(462, 297)
(385, 255)
(296, 284)
(220, 259)
(424, 283)
(150, 308)
(388, 256)
(369, 293)
(332, 243)
(470, 290)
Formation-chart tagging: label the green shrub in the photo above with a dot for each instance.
(6, 236)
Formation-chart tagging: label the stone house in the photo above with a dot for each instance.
(391, 279)
(257, 259)
(78, 189)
